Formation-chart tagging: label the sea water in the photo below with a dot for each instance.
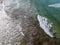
(51, 10)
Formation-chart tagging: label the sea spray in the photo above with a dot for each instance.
(45, 25)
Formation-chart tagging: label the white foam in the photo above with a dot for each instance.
(55, 5)
(45, 25)
(2, 12)
(9, 30)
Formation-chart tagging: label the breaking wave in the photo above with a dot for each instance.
(45, 25)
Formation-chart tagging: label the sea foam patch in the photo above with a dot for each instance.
(45, 25)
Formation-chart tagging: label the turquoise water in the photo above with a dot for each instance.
(53, 14)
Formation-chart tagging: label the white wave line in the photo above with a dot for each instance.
(54, 5)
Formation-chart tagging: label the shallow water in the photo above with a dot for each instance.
(16, 21)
